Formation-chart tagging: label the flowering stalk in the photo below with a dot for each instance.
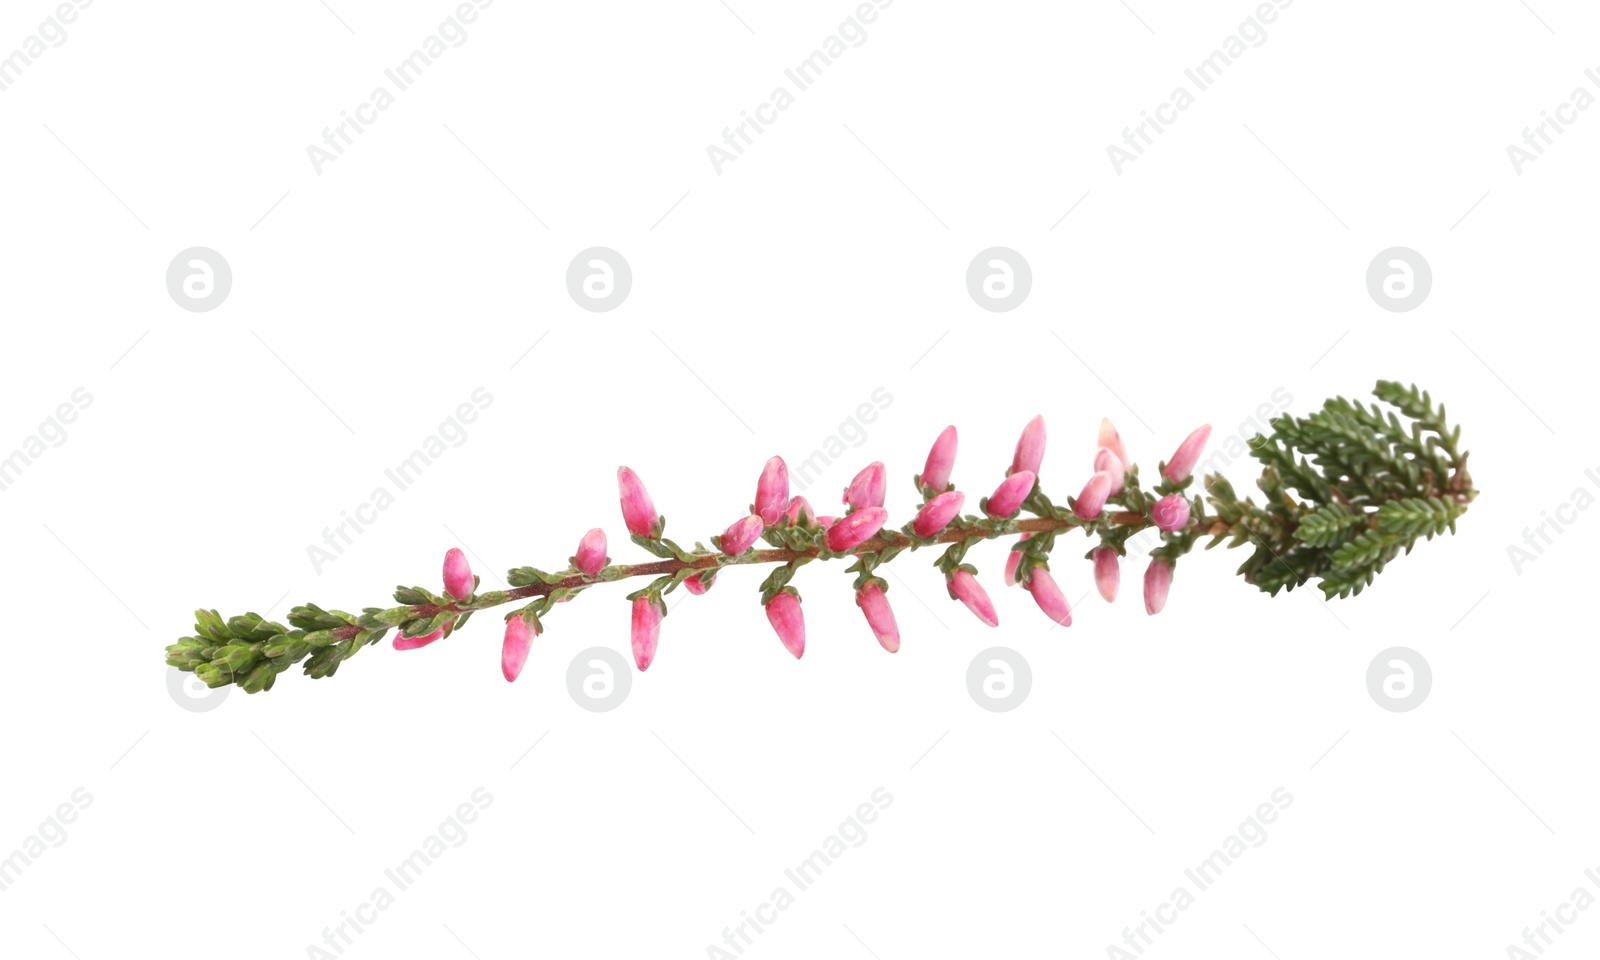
(1347, 490)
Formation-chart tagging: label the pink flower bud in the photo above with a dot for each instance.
(772, 492)
(800, 513)
(1170, 513)
(1157, 581)
(879, 617)
(850, 532)
(458, 581)
(1111, 440)
(1105, 460)
(783, 612)
(1007, 498)
(698, 584)
(868, 488)
(637, 510)
(741, 534)
(941, 460)
(1187, 455)
(1049, 596)
(1107, 572)
(825, 522)
(416, 643)
(937, 513)
(965, 587)
(591, 556)
(1014, 560)
(1093, 498)
(646, 631)
(1030, 447)
(514, 648)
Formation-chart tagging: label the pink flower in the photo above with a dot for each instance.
(698, 584)
(868, 488)
(1049, 596)
(1157, 581)
(1111, 440)
(458, 581)
(1107, 572)
(646, 631)
(1187, 455)
(852, 531)
(799, 512)
(1030, 447)
(591, 557)
(1007, 498)
(965, 587)
(1014, 560)
(1093, 498)
(741, 534)
(937, 513)
(514, 649)
(1170, 513)
(1105, 460)
(941, 459)
(783, 612)
(416, 643)
(879, 617)
(772, 492)
(637, 510)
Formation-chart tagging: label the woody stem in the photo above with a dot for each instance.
(884, 540)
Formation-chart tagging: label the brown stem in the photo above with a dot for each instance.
(884, 540)
(660, 568)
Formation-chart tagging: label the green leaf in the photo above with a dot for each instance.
(1417, 516)
(1330, 526)
(1365, 550)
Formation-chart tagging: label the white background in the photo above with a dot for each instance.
(767, 303)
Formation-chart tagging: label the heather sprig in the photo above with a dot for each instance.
(1345, 490)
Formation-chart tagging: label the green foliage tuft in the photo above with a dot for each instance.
(251, 651)
(1348, 489)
